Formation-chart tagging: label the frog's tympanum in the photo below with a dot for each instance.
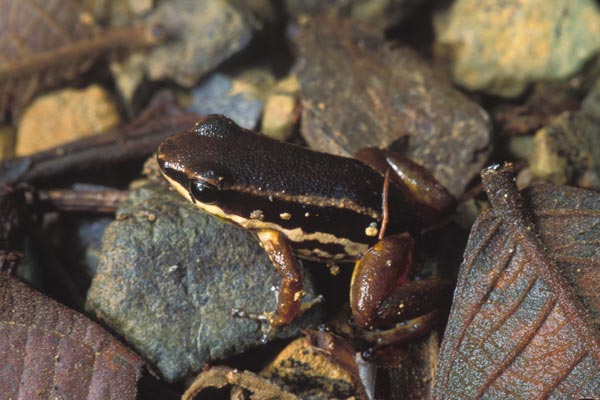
(313, 205)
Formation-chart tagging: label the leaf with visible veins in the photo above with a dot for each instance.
(45, 42)
(49, 351)
(525, 319)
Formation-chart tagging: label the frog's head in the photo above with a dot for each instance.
(194, 162)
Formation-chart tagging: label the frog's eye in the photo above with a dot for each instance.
(204, 192)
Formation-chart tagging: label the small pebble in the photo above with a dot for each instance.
(65, 115)
(280, 109)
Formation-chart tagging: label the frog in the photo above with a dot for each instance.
(302, 203)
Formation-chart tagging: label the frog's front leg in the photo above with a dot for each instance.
(291, 290)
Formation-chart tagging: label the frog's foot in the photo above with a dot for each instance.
(402, 332)
(271, 320)
(267, 320)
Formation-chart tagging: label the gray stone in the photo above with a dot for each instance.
(204, 33)
(502, 47)
(567, 151)
(169, 276)
(216, 95)
(591, 103)
(377, 13)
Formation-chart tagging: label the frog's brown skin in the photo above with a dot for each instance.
(297, 201)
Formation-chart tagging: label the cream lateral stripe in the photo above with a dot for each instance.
(316, 201)
(295, 235)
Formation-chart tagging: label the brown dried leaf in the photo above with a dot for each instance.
(45, 42)
(220, 377)
(12, 232)
(525, 319)
(319, 365)
(49, 351)
(545, 103)
(358, 91)
(407, 370)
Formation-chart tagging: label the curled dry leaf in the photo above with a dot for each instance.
(545, 103)
(49, 351)
(45, 42)
(220, 377)
(319, 365)
(525, 319)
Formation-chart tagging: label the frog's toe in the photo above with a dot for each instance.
(268, 321)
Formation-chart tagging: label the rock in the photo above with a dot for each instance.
(357, 91)
(280, 109)
(567, 151)
(238, 97)
(544, 102)
(381, 14)
(265, 12)
(591, 103)
(140, 7)
(128, 75)
(205, 33)
(65, 115)
(114, 12)
(8, 136)
(169, 276)
(520, 147)
(81, 241)
(501, 47)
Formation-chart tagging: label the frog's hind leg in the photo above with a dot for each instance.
(432, 201)
(381, 295)
(291, 290)
(377, 274)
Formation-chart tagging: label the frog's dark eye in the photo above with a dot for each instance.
(204, 192)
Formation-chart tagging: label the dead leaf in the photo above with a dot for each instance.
(407, 371)
(220, 377)
(546, 102)
(49, 351)
(525, 319)
(12, 232)
(43, 43)
(358, 91)
(318, 365)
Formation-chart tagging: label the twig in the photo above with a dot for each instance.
(133, 141)
(81, 200)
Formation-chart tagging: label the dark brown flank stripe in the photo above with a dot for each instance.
(342, 223)
(312, 200)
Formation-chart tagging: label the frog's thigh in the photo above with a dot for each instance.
(383, 267)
